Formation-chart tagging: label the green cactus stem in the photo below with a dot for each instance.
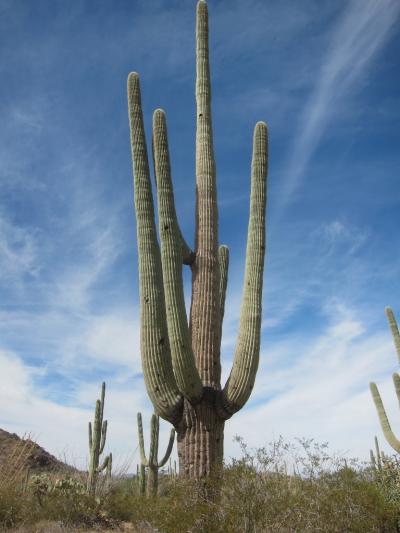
(383, 419)
(142, 479)
(152, 463)
(376, 458)
(394, 329)
(97, 441)
(181, 357)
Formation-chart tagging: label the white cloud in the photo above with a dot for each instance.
(361, 33)
(320, 389)
(317, 388)
(113, 339)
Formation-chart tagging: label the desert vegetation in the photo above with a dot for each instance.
(282, 487)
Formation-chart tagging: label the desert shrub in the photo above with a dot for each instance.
(278, 488)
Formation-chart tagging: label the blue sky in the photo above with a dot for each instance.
(325, 77)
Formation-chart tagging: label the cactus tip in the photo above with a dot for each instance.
(133, 77)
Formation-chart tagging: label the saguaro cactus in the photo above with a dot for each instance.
(378, 458)
(97, 441)
(181, 361)
(383, 419)
(152, 463)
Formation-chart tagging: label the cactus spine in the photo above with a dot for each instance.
(181, 360)
(152, 463)
(97, 441)
(383, 419)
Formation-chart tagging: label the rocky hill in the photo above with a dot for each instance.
(13, 449)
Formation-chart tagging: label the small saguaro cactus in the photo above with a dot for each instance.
(97, 441)
(387, 430)
(152, 463)
(377, 458)
(181, 355)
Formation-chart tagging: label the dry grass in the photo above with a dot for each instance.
(14, 469)
(281, 488)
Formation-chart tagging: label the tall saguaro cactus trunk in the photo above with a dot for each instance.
(181, 360)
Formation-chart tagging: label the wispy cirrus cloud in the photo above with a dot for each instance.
(357, 39)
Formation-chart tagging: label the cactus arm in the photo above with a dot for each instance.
(372, 457)
(241, 380)
(383, 419)
(156, 358)
(96, 428)
(90, 436)
(185, 371)
(104, 464)
(103, 437)
(154, 435)
(394, 329)
(142, 480)
(102, 396)
(109, 466)
(223, 259)
(169, 449)
(396, 383)
(205, 273)
(378, 454)
(143, 458)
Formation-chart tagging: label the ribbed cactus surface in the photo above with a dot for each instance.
(181, 356)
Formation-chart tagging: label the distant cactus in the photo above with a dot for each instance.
(387, 430)
(181, 358)
(378, 458)
(152, 463)
(97, 441)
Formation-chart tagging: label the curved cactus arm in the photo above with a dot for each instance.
(154, 435)
(396, 383)
(187, 254)
(185, 371)
(156, 358)
(394, 329)
(383, 419)
(103, 436)
(90, 436)
(241, 380)
(169, 449)
(104, 464)
(223, 259)
(143, 458)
